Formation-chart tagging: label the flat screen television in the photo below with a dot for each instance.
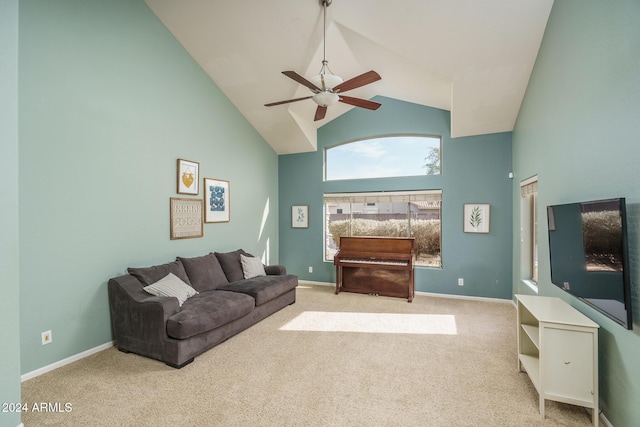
(589, 255)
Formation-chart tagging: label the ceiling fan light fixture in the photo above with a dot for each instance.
(325, 98)
(326, 81)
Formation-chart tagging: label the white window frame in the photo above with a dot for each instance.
(379, 197)
(529, 225)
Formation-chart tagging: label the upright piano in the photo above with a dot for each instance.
(375, 265)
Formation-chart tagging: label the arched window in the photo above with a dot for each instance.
(384, 157)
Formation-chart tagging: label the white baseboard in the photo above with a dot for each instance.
(429, 294)
(310, 282)
(466, 297)
(66, 361)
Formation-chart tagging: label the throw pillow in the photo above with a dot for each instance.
(171, 286)
(204, 272)
(252, 267)
(231, 265)
(150, 275)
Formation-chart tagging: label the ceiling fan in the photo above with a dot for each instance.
(327, 87)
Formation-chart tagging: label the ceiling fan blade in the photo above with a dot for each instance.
(359, 102)
(297, 77)
(287, 101)
(361, 80)
(320, 113)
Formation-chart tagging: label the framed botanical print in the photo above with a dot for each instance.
(476, 218)
(300, 216)
(188, 177)
(216, 200)
(186, 218)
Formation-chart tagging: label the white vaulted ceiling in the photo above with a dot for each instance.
(471, 57)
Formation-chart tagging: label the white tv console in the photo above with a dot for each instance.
(558, 348)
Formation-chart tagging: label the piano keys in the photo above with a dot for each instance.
(376, 265)
(346, 261)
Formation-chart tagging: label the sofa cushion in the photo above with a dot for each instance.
(252, 267)
(231, 264)
(207, 311)
(204, 272)
(171, 286)
(275, 269)
(263, 288)
(150, 275)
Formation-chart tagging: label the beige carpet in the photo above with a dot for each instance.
(327, 360)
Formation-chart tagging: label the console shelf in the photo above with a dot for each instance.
(558, 349)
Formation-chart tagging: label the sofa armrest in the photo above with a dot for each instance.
(275, 270)
(138, 318)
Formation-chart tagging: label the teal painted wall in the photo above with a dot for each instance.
(109, 100)
(578, 129)
(474, 170)
(9, 285)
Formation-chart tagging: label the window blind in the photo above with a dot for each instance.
(385, 197)
(529, 188)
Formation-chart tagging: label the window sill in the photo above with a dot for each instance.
(531, 284)
(431, 267)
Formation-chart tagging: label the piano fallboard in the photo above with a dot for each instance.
(375, 265)
(373, 262)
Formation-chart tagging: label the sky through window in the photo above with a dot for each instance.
(381, 157)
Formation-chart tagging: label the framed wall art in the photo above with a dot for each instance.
(300, 216)
(188, 177)
(186, 218)
(216, 200)
(476, 218)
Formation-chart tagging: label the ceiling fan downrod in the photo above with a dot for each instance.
(325, 5)
(326, 80)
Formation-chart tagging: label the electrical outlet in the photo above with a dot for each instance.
(46, 337)
(310, 269)
(460, 281)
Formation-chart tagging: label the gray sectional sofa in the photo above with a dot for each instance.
(224, 303)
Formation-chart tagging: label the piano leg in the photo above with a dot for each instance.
(338, 278)
(411, 286)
